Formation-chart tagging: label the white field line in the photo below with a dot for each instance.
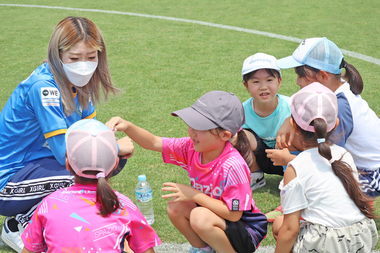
(234, 28)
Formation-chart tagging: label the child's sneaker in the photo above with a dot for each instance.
(206, 249)
(271, 216)
(257, 180)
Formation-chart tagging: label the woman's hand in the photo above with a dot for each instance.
(126, 147)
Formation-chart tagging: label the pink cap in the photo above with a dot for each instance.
(91, 146)
(312, 102)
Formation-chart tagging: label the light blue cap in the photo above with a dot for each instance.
(90, 125)
(319, 53)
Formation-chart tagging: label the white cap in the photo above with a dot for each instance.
(259, 61)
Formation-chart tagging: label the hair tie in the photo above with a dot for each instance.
(344, 64)
(332, 160)
(100, 174)
(241, 128)
(321, 140)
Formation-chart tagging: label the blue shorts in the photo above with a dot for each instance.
(370, 180)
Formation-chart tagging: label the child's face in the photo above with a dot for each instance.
(204, 141)
(305, 81)
(262, 86)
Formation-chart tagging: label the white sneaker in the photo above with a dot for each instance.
(257, 180)
(12, 239)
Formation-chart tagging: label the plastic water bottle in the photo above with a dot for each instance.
(144, 199)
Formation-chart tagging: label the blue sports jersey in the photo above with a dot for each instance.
(33, 123)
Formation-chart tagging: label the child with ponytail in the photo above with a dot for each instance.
(217, 212)
(321, 185)
(90, 216)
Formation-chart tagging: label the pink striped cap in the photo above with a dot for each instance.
(91, 146)
(312, 102)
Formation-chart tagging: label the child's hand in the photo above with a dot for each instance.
(285, 135)
(181, 192)
(279, 157)
(126, 147)
(117, 124)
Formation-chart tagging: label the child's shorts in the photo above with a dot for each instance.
(246, 236)
(359, 237)
(265, 163)
(370, 180)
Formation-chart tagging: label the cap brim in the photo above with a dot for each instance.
(194, 119)
(288, 62)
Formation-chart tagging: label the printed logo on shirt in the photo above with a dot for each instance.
(235, 204)
(213, 192)
(50, 96)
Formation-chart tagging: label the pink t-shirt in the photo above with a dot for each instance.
(227, 178)
(67, 221)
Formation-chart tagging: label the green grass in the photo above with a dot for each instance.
(164, 65)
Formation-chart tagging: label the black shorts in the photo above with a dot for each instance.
(265, 163)
(237, 232)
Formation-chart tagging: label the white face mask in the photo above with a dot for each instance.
(80, 72)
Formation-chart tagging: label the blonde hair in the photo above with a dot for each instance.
(69, 32)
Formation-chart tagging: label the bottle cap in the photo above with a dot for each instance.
(142, 178)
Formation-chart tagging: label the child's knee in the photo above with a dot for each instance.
(277, 225)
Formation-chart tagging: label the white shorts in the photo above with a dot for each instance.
(360, 237)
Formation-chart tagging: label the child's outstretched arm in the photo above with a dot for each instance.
(183, 192)
(141, 136)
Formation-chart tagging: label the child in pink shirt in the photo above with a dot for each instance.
(217, 212)
(89, 216)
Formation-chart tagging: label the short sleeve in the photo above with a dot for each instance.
(237, 193)
(45, 100)
(175, 151)
(292, 197)
(33, 234)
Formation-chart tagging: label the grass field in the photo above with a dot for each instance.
(164, 64)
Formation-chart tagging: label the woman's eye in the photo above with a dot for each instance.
(74, 59)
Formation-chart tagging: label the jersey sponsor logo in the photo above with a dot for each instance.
(235, 204)
(50, 96)
(213, 192)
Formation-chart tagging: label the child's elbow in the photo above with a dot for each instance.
(235, 216)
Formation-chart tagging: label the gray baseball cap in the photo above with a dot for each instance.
(214, 109)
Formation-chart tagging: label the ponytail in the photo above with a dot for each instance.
(242, 145)
(341, 169)
(353, 77)
(106, 197)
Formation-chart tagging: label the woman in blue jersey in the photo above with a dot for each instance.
(37, 115)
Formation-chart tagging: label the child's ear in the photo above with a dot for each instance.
(294, 125)
(322, 77)
(67, 165)
(117, 163)
(225, 135)
(245, 84)
(337, 123)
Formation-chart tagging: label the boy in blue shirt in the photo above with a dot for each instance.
(265, 112)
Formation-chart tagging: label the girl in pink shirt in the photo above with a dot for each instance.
(217, 212)
(90, 216)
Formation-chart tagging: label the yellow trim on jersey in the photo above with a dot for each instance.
(91, 116)
(54, 133)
